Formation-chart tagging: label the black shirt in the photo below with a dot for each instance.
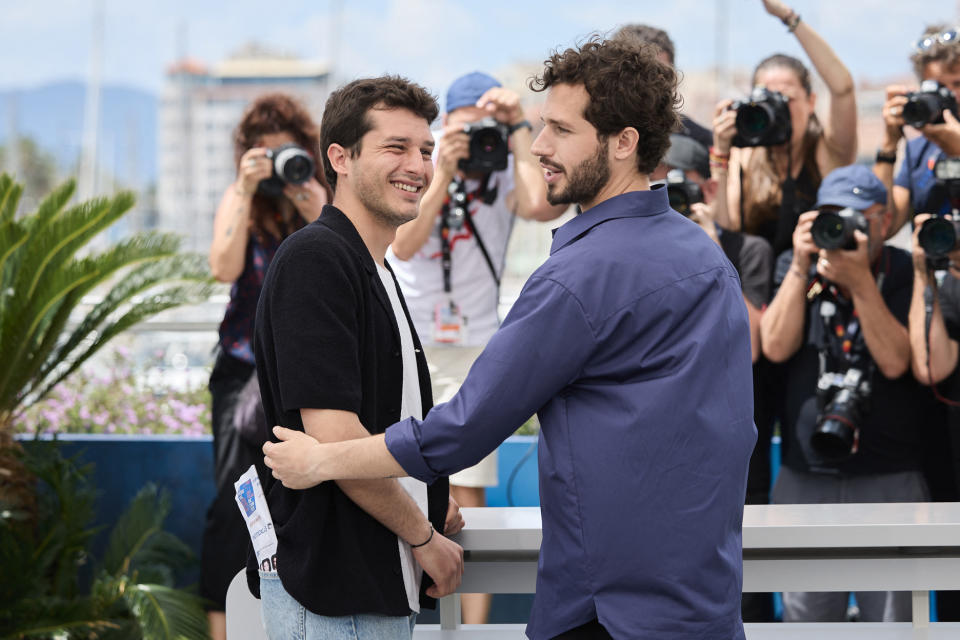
(752, 257)
(892, 428)
(325, 337)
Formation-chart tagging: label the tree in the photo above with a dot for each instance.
(45, 270)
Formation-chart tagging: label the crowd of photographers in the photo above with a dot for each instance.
(855, 341)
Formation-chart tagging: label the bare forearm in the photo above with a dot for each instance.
(229, 246)
(721, 205)
(836, 76)
(942, 352)
(390, 505)
(887, 340)
(781, 327)
(414, 234)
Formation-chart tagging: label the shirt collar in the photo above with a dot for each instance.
(332, 217)
(626, 205)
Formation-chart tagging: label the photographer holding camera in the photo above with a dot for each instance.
(279, 188)
(852, 415)
(449, 260)
(931, 110)
(770, 151)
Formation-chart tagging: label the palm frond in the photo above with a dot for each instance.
(165, 613)
(10, 193)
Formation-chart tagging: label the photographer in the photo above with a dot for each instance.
(449, 260)
(767, 184)
(852, 414)
(934, 332)
(257, 212)
(936, 59)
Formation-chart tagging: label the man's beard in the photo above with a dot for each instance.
(585, 181)
(370, 192)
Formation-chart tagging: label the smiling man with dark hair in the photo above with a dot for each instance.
(632, 344)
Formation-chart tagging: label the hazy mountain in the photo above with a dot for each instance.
(52, 115)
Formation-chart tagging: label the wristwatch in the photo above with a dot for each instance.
(523, 124)
(887, 157)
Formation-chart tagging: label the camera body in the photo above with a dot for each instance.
(834, 229)
(939, 236)
(763, 120)
(488, 146)
(292, 164)
(842, 400)
(682, 192)
(926, 106)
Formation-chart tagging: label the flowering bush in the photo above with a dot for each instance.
(111, 398)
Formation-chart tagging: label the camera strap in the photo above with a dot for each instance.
(842, 340)
(487, 196)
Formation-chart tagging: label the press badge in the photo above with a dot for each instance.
(253, 508)
(449, 326)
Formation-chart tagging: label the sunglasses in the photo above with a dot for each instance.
(944, 37)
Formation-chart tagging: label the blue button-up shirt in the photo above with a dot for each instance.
(632, 345)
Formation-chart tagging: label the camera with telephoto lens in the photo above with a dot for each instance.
(488, 146)
(940, 236)
(763, 120)
(926, 106)
(291, 165)
(682, 192)
(834, 229)
(843, 400)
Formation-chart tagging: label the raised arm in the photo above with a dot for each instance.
(232, 222)
(781, 327)
(840, 129)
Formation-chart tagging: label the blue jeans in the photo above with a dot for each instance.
(285, 619)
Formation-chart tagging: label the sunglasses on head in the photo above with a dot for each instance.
(944, 37)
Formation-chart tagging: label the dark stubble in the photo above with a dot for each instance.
(586, 179)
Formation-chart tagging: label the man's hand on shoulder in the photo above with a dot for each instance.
(442, 560)
(293, 459)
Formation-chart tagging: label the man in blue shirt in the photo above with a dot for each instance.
(936, 57)
(632, 344)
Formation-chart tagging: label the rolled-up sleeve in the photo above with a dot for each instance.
(540, 349)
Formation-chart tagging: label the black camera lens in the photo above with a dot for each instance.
(938, 236)
(834, 229)
(828, 230)
(292, 164)
(753, 120)
(920, 110)
(834, 439)
(297, 170)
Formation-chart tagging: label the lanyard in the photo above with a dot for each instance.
(455, 213)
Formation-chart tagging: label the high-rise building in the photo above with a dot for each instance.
(200, 108)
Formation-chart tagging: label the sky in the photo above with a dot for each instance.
(431, 41)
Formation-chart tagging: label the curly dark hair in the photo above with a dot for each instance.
(947, 53)
(628, 87)
(276, 113)
(652, 35)
(346, 120)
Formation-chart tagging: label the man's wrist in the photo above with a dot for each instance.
(518, 126)
(426, 538)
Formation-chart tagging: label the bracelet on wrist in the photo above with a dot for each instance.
(716, 153)
(797, 271)
(792, 21)
(429, 538)
(523, 124)
(888, 157)
(719, 164)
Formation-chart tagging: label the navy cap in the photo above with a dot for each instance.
(687, 154)
(853, 186)
(466, 90)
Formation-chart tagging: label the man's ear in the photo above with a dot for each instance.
(339, 158)
(625, 143)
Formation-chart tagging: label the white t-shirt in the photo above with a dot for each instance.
(473, 288)
(410, 405)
